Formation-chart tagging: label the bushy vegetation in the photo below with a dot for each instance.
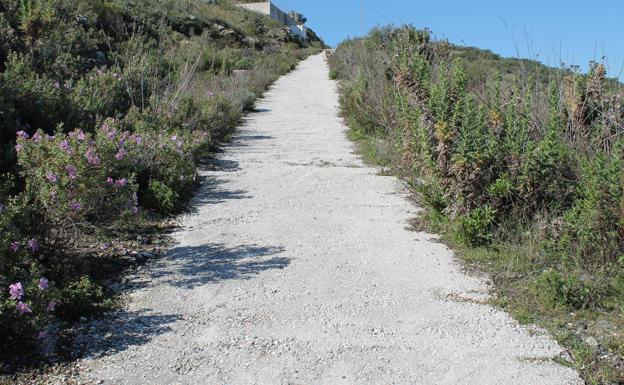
(106, 107)
(520, 165)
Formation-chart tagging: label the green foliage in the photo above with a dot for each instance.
(161, 197)
(475, 228)
(80, 297)
(555, 289)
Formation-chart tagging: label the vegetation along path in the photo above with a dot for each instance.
(296, 267)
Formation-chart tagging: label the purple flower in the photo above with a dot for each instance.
(104, 127)
(33, 244)
(14, 246)
(49, 138)
(105, 246)
(121, 154)
(81, 135)
(42, 334)
(110, 181)
(174, 138)
(18, 147)
(53, 193)
(23, 308)
(121, 182)
(136, 139)
(52, 178)
(57, 85)
(22, 134)
(76, 206)
(51, 306)
(64, 145)
(44, 284)
(2, 208)
(37, 137)
(92, 157)
(111, 135)
(71, 171)
(16, 290)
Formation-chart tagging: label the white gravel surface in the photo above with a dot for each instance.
(296, 267)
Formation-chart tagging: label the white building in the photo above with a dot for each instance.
(296, 24)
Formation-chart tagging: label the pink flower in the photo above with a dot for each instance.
(16, 291)
(121, 154)
(44, 284)
(52, 178)
(76, 206)
(51, 306)
(71, 171)
(121, 182)
(14, 246)
(37, 137)
(23, 308)
(33, 244)
(64, 145)
(104, 127)
(110, 181)
(18, 147)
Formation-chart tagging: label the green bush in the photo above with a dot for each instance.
(161, 197)
(557, 290)
(475, 228)
(80, 297)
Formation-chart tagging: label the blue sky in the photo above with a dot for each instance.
(552, 31)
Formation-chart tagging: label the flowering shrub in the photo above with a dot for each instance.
(27, 298)
(75, 180)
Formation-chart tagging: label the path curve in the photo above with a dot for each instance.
(296, 267)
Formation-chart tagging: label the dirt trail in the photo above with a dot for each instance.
(296, 267)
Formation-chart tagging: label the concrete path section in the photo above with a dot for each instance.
(296, 266)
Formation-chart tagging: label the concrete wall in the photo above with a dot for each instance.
(271, 10)
(263, 8)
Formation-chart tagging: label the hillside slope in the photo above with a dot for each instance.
(107, 107)
(521, 168)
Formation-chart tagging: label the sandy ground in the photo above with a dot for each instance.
(296, 267)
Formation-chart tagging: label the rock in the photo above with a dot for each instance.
(83, 21)
(591, 342)
(100, 58)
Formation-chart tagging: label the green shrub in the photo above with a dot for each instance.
(475, 228)
(554, 289)
(80, 297)
(161, 197)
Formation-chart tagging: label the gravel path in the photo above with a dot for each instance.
(296, 267)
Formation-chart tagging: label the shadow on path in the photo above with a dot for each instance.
(189, 267)
(115, 332)
(213, 191)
